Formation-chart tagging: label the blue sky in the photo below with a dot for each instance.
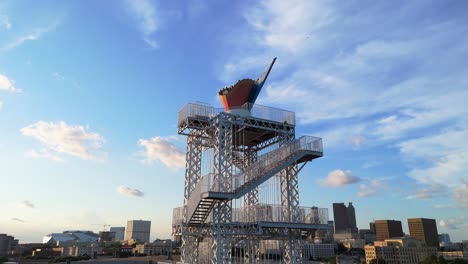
(90, 90)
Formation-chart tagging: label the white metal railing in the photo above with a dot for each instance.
(202, 186)
(268, 213)
(203, 111)
(264, 164)
(177, 215)
(270, 160)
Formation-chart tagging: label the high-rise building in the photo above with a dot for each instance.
(372, 227)
(424, 229)
(345, 219)
(386, 229)
(444, 238)
(119, 232)
(138, 230)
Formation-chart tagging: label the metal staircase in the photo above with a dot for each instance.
(207, 193)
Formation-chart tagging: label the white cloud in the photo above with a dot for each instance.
(5, 22)
(57, 76)
(145, 13)
(427, 193)
(162, 149)
(34, 34)
(338, 178)
(288, 25)
(444, 154)
(454, 223)
(366, 190)
(26, 204)
(43, 154)
(129, 191)
(460, 194)
(60, 137)
(17, 220)
(357, 141)
(7, 84)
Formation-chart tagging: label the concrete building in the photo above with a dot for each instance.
(7, 244)
(386, 229)
(367, 235)
(453, 255)
(372, 227)
(119, 232)
(314, 251)
(138, 230)
(158, 247)
(444, 238)
(89, 249)
(105, 236)
(353, 243)
(345, 221)
(424, 229)
(399, 251)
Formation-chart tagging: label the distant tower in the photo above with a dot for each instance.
(345, 219)
(386, 229)
(425, 230)
(139, 230)
(119, 232)
(241, 195)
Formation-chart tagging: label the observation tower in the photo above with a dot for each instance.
(241, 193)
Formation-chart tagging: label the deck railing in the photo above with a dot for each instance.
(267, 213)
(204, 111)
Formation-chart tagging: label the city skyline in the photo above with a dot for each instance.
(89, 95)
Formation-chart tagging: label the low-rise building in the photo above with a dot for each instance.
(453, 255)
(315, 251)
(353, 243)
(399, 251)
(158, 247)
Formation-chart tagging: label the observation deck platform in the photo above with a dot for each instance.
(253, 123)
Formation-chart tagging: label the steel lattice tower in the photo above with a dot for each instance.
(241, 181)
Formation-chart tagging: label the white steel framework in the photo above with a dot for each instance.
(241, 186)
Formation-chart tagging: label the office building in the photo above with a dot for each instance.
(106, 236)
(367, 235)
(138, 230)
(444, 238)
(399, 251)
(424, 229)
(372, 227)
(345, 221)
(119, 232)
(386, 229)
(7, 244)
(315, 251)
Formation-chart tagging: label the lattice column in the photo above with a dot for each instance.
(189, 246)
(222, 212)
(192, 164)
(290, 205)
(251, 250)
(292, 250)
(189, 249)
(251, 197)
